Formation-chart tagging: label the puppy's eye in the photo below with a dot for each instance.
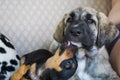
(68, 65)
(90, 21)
(69, 20)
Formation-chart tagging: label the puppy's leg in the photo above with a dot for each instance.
(21, 71)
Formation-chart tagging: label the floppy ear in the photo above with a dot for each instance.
(106, 30)
(59, 32)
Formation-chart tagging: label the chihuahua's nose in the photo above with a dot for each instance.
(75, 31)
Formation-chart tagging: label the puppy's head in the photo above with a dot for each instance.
(86, 27)
(62, 65)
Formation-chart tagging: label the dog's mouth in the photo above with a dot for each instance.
(70, 37)
(80, 42)
(74, 40)
(69, 46)
(74, 43)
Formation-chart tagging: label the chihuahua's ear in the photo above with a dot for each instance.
(59, 32)
(22, 61)
(106, 30)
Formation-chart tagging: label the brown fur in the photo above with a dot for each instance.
(59, 33)
(107, 31)
(18, 75)
(55, 61)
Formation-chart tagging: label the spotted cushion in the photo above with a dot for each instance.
(9, 59)
(30, 24)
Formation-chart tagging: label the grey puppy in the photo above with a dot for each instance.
(90, 30)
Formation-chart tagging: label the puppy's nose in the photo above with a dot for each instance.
(75, 31)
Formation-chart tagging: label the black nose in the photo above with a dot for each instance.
(75, 31)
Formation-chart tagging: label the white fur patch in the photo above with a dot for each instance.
(78, 44)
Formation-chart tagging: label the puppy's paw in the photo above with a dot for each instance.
(24, 69)
(21, 71)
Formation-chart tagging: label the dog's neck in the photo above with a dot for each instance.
(85, 67)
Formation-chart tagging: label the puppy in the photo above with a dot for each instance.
(42, 65)
(91, 30)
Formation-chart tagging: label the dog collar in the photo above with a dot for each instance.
(112, 44)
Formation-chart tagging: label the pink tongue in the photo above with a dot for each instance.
(68, 43)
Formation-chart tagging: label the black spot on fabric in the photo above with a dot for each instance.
(17, 57)
(13, 62)
(5, 68)
(2, 50)
(10, 68)
(4, 63)
(4, 40)
(2, 77)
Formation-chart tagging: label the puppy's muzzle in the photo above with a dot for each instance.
(79, 32)
(75, 29)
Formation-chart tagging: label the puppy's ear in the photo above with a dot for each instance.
(106, 30)
(59, 32)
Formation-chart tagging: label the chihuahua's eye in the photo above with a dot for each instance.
(68, 64)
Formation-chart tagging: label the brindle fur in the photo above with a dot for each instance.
(103, 32)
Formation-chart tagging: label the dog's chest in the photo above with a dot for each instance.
(97, 68)
(87, 69)
(81, 72)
